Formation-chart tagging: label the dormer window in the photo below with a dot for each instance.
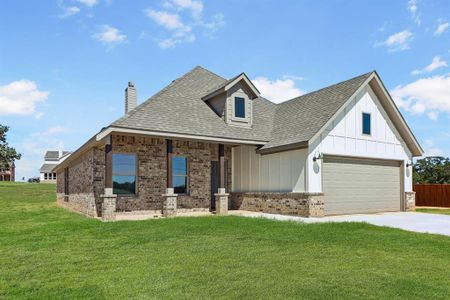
(232, 100)
(239, 107)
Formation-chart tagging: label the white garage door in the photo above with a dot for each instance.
(360, 186)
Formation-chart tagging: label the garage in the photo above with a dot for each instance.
(360, 185)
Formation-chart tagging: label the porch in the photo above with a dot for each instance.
(148, 177)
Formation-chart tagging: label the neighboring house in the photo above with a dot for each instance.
(51, 159)
(9, 174)
(207, 143)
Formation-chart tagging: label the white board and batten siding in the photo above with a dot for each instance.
(343, 137)
(278, 172)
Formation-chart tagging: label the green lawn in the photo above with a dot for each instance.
(434, 211)
(47, 252)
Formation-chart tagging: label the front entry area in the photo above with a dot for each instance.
(353, 186)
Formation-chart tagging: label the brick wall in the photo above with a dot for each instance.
(151, 181)
(87, 175)
(301, 204)
(82, 196)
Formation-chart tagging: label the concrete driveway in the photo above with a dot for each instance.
(411, 221)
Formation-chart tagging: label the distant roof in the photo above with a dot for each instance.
(54, 155)
(47, 168)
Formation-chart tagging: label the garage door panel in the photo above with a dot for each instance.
(360, 186)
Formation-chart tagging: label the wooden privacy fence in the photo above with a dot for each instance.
(437, 195)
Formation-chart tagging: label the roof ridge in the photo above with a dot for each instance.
(329, 86)
(209, 71)
(164, 89)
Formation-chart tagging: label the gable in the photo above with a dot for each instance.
(391, 111)
(344, 135)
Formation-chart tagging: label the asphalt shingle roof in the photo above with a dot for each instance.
(179, 108)
(47, 168)
(54, 155)
(299, 119)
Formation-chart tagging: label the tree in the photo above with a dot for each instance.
(7, 154)
(432, 169)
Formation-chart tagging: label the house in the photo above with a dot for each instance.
(204, 143)
(9, 174)
(51, 160)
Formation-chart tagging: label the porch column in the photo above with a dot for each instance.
(170, 198)
(221, 195)
(108, 198)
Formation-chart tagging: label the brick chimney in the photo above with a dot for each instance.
(130, 97)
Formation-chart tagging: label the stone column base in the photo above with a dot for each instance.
(410, 201)
(170, 203)
(108, 206)
(221, 202)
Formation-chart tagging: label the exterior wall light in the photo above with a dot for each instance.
(317, 156)
(409, 163)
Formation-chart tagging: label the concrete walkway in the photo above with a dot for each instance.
(411, 221)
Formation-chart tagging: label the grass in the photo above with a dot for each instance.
(47, 252)
(441, 211)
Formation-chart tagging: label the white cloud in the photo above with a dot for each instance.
(172, 22)
(412, 7)
(433, 115)
(435, 64)
(398, 41)
(180, 26)
(88, 3)
(54, 131)
(217, 22)
(441, 28)
(196, 7)
(431, 150)
(278, 90)
(20, 98)
(168, 20)
(293, 77)
(110, 36)
(429, 95)
(69, 11)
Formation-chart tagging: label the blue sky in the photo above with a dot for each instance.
(64, 64)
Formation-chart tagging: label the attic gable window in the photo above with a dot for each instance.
(239, 107)
(366, 123)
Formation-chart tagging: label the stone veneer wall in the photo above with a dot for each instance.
(410, 201)
(286, 203)
(85, 183)
(151, 181)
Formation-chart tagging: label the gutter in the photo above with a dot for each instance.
(101, 135)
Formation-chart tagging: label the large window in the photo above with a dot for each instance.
(366, 124)
(239, 107)
(124, 174)
(179, 174)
